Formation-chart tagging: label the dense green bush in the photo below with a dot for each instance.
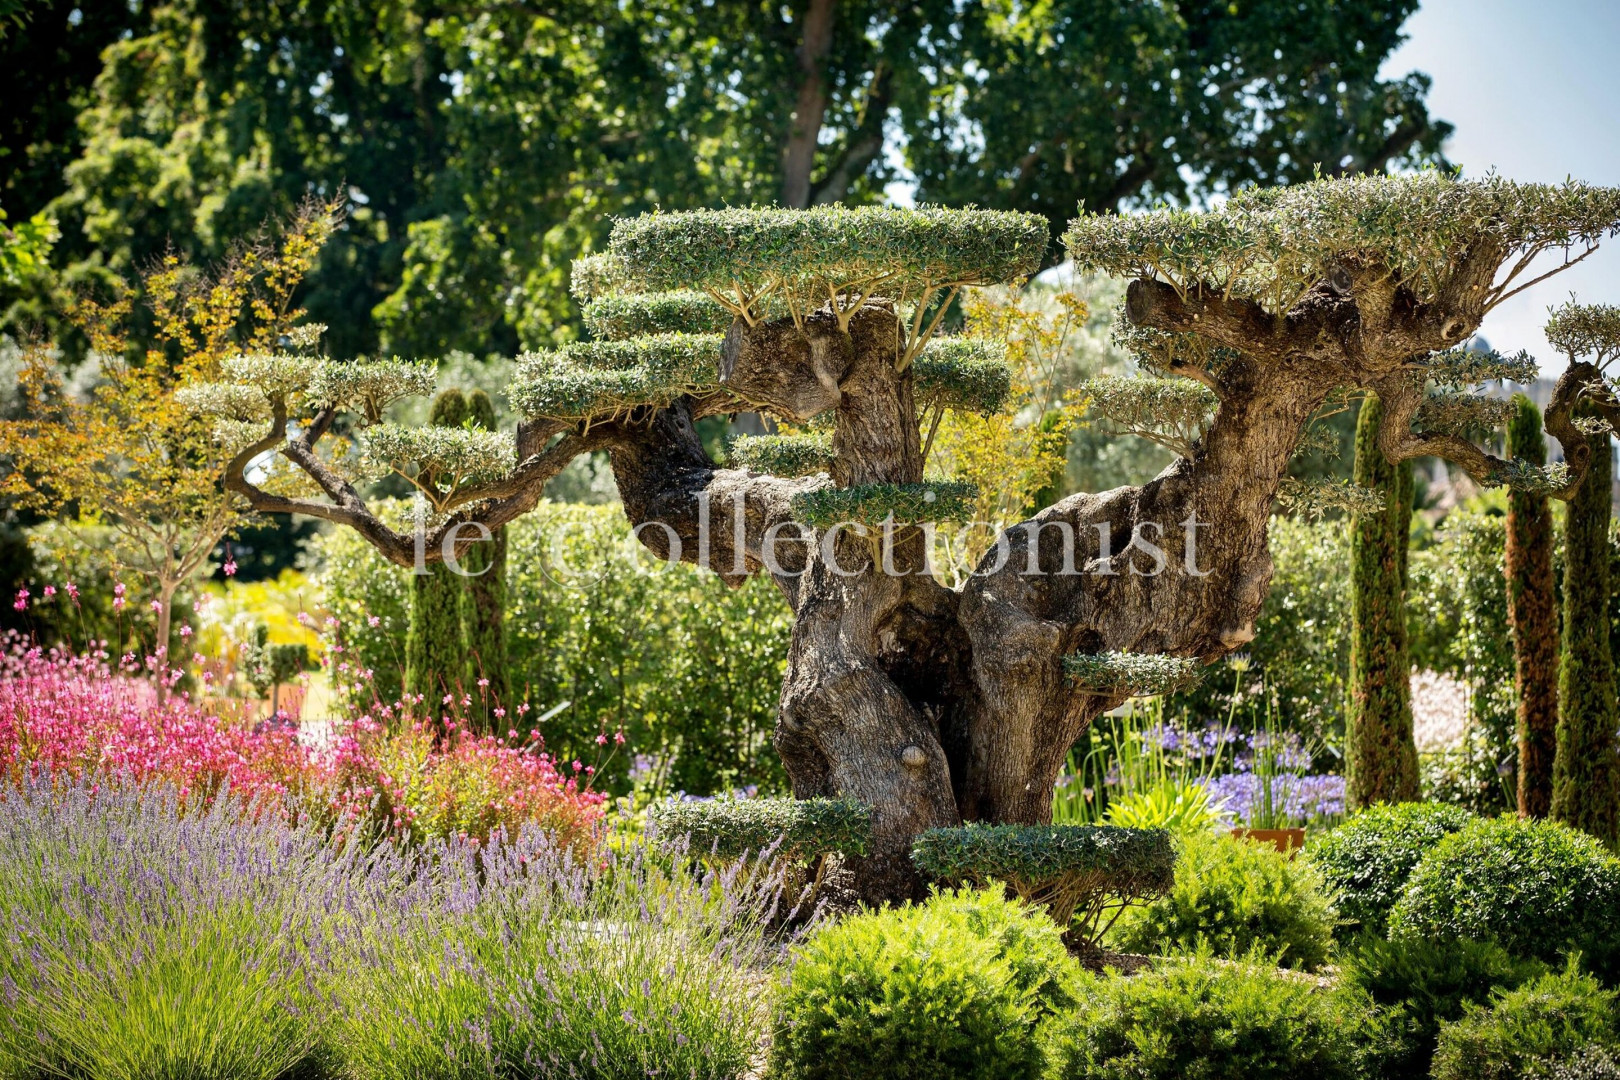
(1199, 1017)
(1527, 1031)
(1367, 860)
(1422, 984)
(1074, 871)
(688, 668)
(954, 989)
(729, 828)
(1591, 1063)
(1539, 888)
(1236, 896)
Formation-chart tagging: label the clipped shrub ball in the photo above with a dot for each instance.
(805, 829)
(1367, 860)
(1235, 896)
(1591, 1063)
(1081, 874)
(1539, 888)
(953, 989)
(1529, 1031)
(1211, 1019)
(1420, 985)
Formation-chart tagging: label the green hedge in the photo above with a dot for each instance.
(1199, 1017)
(1526, 1032)
(1367, 860)
(1537, 887)
(1421, 985)
(730, 828)
(954, 989)
(1236, 896)
(1089, 871)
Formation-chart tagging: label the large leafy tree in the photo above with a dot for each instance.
(485, 146)
(932, 704)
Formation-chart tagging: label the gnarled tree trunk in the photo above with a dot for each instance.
(935, 706)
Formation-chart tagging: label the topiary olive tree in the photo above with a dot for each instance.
(936, 706)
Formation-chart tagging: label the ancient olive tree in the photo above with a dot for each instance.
(931, 705)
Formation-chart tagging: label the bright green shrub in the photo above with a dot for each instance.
(730, 828)
(1525, 1031)
(1074, 871)
(1422, 984)
(1210, 1019)
(1539, 888)
(1367, 860)
(954, 989)
(1235, 896)
(687, 667)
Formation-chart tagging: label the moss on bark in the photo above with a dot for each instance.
(1533, 617)
(1380, 753)
(1586, 766)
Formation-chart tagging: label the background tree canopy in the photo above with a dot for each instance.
(484, 146)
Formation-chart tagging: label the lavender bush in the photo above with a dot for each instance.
(136, 944)
(527, 963)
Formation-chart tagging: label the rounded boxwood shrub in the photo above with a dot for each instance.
(1084, 874)
(1539, 888)
(953, 989)
(1212, 1019)
(1367, 860)
(1529, 1031)
(1421, 984)
(1235, 896)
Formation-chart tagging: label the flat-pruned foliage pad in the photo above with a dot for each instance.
(597, 378)
(874, 504)
(227, 401)
(1272, 244)
(783, 455)
(799, 829)
(1069, 869)
(455, 456)
(968, 374)
(1136, 674)
(1171, 412)
(1593, 330)
(636, 315)
(1463, 414)
(803, 255)
(369, 386)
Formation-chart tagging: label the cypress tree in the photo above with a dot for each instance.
(1586, 766)
(435, 649)
(1381, 756)
(483, 599)
(1533, 616)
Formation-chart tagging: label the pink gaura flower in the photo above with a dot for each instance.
(50, 591)
(21, 603)
(229, 567)
(373, 621)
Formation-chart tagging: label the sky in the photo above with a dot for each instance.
(1533, 88)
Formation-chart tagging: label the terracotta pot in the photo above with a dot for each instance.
(1286, 841)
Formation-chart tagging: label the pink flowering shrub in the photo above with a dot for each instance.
(401, 783)
(76, 716)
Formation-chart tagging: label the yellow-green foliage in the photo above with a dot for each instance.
(1235, 896)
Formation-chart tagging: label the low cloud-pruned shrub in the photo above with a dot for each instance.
(1198, 1016)
(1079, 873)
(1539, 888)
(799, 830)
(953, 989)
(1528, 1032)
(1367, 860)
(1423, 984)
(1235, 896)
